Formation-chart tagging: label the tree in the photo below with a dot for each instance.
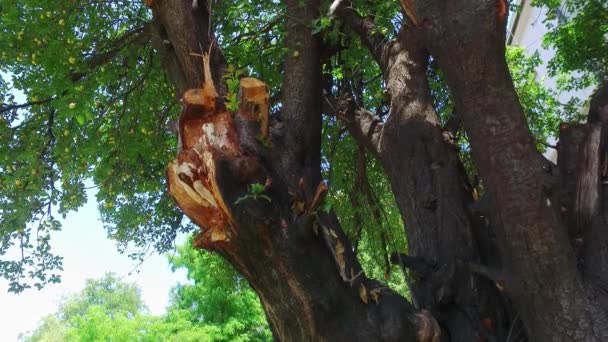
(411, 96)
(219, 299)
(50, 330)
(110, 293)
(109, 309)
(106, 309)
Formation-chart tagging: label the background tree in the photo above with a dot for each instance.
(106, 309)
(417, 99)
(219, 298)
(111, 294)
(217, 306)
(577, 32)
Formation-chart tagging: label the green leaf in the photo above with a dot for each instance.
(257, 188)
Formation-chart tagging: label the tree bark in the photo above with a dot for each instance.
(253, 185)
(468, 40)
(431, 189)
(295, 257)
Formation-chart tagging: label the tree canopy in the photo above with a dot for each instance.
(429, 144)
(105, 105)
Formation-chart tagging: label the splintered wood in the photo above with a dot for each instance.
(254, 102)
(192, 178)
(206, 96)
(207, 136)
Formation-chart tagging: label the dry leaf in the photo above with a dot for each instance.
(363, 293)
(333, 234)
(375, 294)
(340, 257)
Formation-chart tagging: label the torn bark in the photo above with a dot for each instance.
(206, 137)
(302, 281)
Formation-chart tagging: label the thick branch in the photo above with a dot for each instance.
(468, 41)
(180, 30)
(364, 125)
(375, 41)
(136, 37)
(591, 203)
(301, 96)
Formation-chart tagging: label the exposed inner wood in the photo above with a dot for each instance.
(254, 102)
(192, 175)
(206, 137)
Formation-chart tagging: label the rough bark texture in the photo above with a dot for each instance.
(297, 259)
(474, 278)
(582, 196)
(431, 190)
(467, 38)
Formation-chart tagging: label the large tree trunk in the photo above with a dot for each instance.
(296, 258)
(255, 191)
(468, 39)
(431, 190)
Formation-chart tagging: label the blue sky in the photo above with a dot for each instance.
(88, 253)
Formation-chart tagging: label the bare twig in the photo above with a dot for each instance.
(7, 108)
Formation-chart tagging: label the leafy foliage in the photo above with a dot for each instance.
(540, 104)
(371, 219)
(232, 83)
(219, 298)
(88, 107)
(578, 31)
(91, 107)
(51, 329)
(108, 293)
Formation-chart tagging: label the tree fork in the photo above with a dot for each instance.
(434, 195)
(468, 40)
(301, 285)
(211, 155)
